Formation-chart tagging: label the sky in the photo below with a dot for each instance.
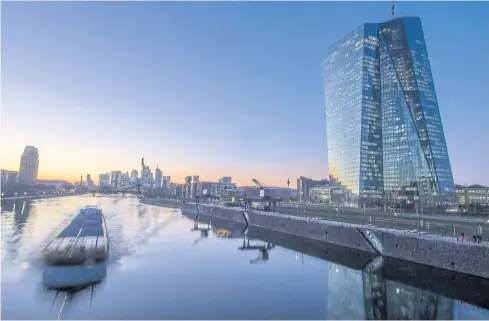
(213, 88)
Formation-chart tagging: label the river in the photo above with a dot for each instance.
(163, 266)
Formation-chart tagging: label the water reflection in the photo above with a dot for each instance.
(262, 250)
(204, 231)
(156, 271)
(78, 276)
(391, 290)
(63, 299)
(20, 208)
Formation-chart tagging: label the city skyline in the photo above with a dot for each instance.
(75, 91)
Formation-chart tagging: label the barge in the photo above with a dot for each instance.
(83, 240)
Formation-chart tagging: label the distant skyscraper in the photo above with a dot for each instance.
(134, 176)
(116, 179)
(384, 130)
(89, 181)
(103, 180)
(147, 177)
(29, 165)
(166, 181)
(158, 177)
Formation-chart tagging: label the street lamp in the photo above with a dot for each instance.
(25, 193)
(15, 193)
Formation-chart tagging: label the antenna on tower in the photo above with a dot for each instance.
(393, 10)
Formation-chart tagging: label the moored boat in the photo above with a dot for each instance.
(83, 240)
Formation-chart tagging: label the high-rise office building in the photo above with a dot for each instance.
(29, 165)
(134, 176)
(103, 180)
(384, 132)
(88, 181)
(147, 179)
(158, 177)
(166, 181)
(116, 179)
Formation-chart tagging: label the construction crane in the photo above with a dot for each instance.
(261, 186)
(265, 195)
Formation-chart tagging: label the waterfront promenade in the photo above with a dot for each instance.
(443, 224)
(433, 224)
(427, 245)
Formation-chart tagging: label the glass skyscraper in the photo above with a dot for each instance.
(385, 137)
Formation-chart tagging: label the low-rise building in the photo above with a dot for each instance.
(52, 183)
(473, 197)
(303, 185)
(9, 177)
(320, 193)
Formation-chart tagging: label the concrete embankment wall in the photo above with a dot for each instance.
(463, 257)
(340, 234)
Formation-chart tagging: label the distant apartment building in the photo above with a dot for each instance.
(103, 180)
(29, 165)
(187, 187)
(217, 188)
(473, 197)
(225, 180)
(303, 186)
(196, 186)
(320, 193)
(9, 177)
(158, 178)
(134, 176)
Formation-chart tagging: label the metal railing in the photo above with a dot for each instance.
(420, 229)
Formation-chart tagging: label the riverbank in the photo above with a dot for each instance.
(36, 197)
(434, 250)
(449, 283)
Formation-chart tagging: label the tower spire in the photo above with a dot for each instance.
(393, 10)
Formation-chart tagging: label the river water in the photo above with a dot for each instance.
(164, 266)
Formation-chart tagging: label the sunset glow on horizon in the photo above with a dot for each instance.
(199, 90)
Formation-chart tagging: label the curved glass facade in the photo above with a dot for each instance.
(384, 131)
